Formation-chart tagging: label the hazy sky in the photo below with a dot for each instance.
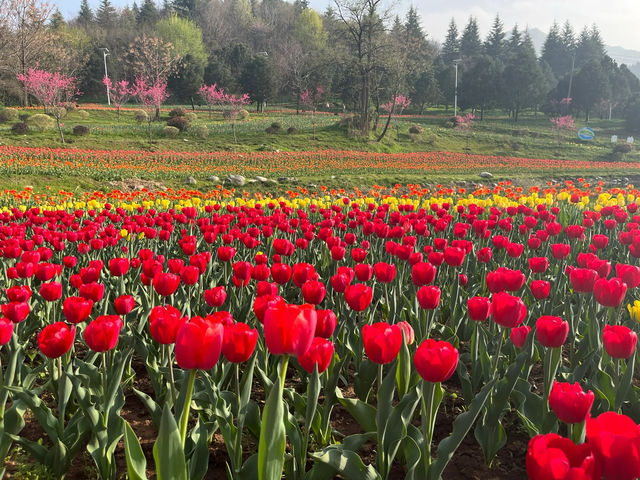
(618, 20)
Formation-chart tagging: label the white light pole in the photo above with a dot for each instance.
(455, 97)
(105, 52)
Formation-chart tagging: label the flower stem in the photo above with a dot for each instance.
(184, 418)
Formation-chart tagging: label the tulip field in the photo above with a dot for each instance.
(320, 334)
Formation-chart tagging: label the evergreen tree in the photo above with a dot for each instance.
(590, 87)
(106, 15)
(451, 46)
(589, 47)
(257, 80)
(555, 53)
(478, 86)
(184, 8)
(512, 46)
(470, 43)
(187, 79)
(413, 27)
(57, 20)
(494, 44)
(85, 15)
(148, 14)
(568, 37)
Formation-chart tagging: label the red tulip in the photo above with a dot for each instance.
(540, 289)
(320, 353)
(552, 457)
(225, 254)
(326, 323)
(358, 296)
(560, 250)
(289, 329)
(479, 308)
(422, 273)
(265, 288)
(407, 331)
(51, 291)
(198, 344)
(382, 342)
(118, 267)
(164, 323)
(281, 273)
(102, 333)
(166, 283)
(215, 297)
(238, 342)
(507, 310)
(609, 293)
(484, 255)
(551, 331)
(93, 291)
(363, 272)
(19, 293)
(339, 282)
(454, 256)
(429, 297)
(385, 272)
(538, 264)
(16, 311)
(55, 340)
(6, 330)
(76, 309)
(463, 279)
(583, 279)
(435, 360)
(629, 274)
(189, 275)
(262, 303)
(519, 335)
(124, 304)
(569, 402)
(619, 341)
(615, 441)
(313, 291)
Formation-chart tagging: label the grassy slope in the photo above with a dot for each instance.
(531, 137)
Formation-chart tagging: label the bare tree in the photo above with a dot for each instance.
(363, 22)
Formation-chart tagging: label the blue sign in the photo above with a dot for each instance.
(586, 133)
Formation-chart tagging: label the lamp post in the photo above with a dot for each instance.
(455, 97)
(105, 52)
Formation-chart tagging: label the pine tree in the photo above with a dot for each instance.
(514, 42)
(105, 15)
(412, 25)
(85, 15)
(589, 47)
(494, 45)
(555, 53)
(451, 46)
(148, 14)
(57, 20)
(568, 37)
(470, 43)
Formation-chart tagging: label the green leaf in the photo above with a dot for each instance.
(199, 462)
(347, 463)
(272, 436)
(167, 451)
(403, 373)
(461, 426)
(623, 388)
(364, 413)
(136, 461)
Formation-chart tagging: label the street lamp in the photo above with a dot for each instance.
(455, 98)
(105, 52)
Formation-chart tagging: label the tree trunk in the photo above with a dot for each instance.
(193, 107)
(393, 105)
(60, 129)
(157, 117)
(364, 105)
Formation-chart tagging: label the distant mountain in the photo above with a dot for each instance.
(631, 58)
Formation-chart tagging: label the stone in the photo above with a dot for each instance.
(190, 181)
(236, 180)
(486, 175)
(213, 178)
(261, 179)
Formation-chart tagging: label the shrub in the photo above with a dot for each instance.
(270, 130)
(181, 123)
(632, 112)
(243, 114)
(170, 132)
(177, 112)
(416, 129)
(40, 122)
(23, 117)
(276, 126)
(83, 114)
(141, 116)
(20, 128)
(201, 131)
(80, 130)
(622, 148)
(8, 115)
(191, 116)
(68, 105)
(292, 130)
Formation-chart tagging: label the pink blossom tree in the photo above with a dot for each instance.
(465, 124)
(395, 106)
(234, 104)
(212, 95)
(310, 99)
(51, 89)
(151, 95)
(562, 123)
(120, 92)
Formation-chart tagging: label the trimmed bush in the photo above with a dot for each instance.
(201, 131)
(622, 148)
(40, 122)
(23, 117)
(141, 116)
(177, 112)
(170, 132)
(80, 130)
(20, 128)
(181, 123)
(191, 116)
(415, 129)
(68, 106)
(243, 114)
(8, 115)
(292, 130)
(83, 114)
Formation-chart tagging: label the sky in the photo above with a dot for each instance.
(618, 20)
